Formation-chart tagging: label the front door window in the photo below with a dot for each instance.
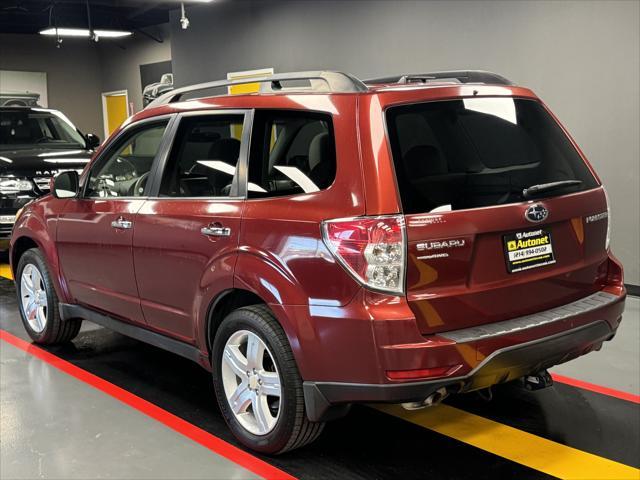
(125, 170)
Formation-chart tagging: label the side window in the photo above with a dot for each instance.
(125, 169)
(204, 157)
(291, 153)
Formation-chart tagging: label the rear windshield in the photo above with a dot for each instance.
(478, 152)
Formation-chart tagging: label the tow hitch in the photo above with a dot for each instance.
(538, 381)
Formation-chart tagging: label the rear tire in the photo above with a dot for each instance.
(284, 424)
(38, 302)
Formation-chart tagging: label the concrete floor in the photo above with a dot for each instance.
(50, 421)
(55, 426)
(617, 365)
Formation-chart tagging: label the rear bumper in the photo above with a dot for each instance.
(569, 332)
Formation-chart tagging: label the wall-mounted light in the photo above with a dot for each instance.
(83, 32)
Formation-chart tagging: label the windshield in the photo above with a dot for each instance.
(40, 128)
(477, 152)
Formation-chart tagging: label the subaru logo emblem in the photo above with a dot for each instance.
(536, 213)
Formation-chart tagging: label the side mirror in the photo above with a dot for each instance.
(93, 141)
(66, 184)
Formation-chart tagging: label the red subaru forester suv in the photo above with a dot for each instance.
(328, 241)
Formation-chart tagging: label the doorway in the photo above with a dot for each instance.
(115, 110)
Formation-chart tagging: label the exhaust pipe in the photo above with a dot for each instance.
(538, 381)
(434, 399)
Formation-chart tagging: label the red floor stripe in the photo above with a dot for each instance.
(612, 392)
(213, 443)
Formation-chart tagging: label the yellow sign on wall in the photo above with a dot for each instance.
(245, 88)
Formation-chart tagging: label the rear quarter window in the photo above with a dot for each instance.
(291, 153)
(478, 152)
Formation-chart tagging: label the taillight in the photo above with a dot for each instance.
(607, 241)
(371, 249)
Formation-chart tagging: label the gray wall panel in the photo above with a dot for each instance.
(581, 57)
(121, 68)
(73, 74)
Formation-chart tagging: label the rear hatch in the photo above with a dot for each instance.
(482, 248)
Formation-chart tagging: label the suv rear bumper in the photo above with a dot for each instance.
(590, 322)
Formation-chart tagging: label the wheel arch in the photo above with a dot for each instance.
(223, 304)
(31, 232)
(26, 242)
(21, 245)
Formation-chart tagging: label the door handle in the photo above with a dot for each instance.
(121, 223)
(216, 230)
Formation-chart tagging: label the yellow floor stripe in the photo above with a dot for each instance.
(5, 271)
(524, 448)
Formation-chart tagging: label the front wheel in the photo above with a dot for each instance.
(38, 302)
(257, 383)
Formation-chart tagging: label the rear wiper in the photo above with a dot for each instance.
(534, 190)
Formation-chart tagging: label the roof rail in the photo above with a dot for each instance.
(320, 81)
(458, 76)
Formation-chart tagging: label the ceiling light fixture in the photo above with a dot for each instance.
(83, 32)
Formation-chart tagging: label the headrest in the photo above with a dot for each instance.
(424, 160)
(198, 136)
(225, 149)
(319, 150)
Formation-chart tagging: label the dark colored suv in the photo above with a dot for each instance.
(35, 144)
(326, 242)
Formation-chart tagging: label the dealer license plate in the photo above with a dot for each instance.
(527, 250)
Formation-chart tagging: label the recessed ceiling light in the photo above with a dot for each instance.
(83, 32)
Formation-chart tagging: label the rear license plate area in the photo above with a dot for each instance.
(528, 249)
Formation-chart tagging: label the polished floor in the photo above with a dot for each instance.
(107, 406)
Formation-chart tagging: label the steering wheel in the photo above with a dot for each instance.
(128, 163)
(44, 139)
(138, 187)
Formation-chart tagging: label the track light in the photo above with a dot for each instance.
(83, 32)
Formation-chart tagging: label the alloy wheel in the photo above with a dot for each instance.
(251, 382)
(34, 298)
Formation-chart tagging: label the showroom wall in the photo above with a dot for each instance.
(81, 70)
(581, 57)
(73, 74)
(121, 67)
